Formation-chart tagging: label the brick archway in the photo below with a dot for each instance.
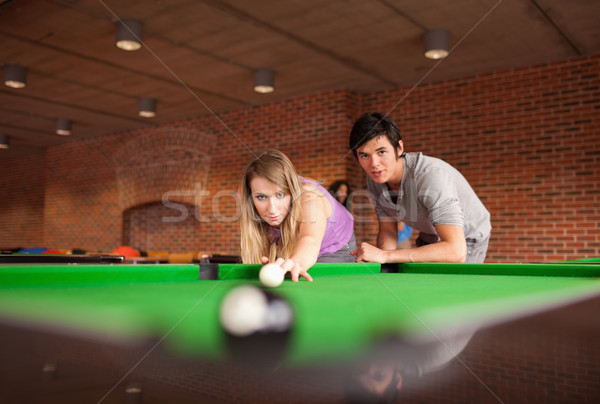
(159, 227)
(170, 162)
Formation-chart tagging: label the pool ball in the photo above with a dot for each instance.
(271, 275)
(257, 325)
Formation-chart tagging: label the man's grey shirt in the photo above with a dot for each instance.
(433, 192)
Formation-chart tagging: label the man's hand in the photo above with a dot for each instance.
(369, 253)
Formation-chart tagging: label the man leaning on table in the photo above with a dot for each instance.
(424, 192)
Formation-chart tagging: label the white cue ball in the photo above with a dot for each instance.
(271, 275)
(244, 310)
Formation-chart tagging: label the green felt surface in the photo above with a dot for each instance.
(518, 269)
(341, 312)
(584, 260)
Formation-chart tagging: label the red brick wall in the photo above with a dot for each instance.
(156, 227)
(82, 208)
(528, 140)
(22, 186)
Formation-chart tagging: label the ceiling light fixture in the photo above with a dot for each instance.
(129, 35)
(63, 127)
(436, 44)
(4, 140)
(147, 107)
(264, 81)
(15, 76)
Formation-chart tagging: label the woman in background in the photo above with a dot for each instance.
(340, 190)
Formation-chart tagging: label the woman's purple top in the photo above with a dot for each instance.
(339, 228)
(340, 225)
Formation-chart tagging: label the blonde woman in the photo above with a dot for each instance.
(296, 215)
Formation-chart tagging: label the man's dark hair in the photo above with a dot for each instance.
(371, 126)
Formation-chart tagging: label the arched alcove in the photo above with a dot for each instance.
(169, 161)
(157, 226)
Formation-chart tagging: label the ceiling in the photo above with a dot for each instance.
(199, 56)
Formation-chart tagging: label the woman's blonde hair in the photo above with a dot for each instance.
(275, 167)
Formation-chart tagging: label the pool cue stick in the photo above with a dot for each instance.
(272, 253)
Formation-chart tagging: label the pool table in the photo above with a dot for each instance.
(27, 258)
(347, 310)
